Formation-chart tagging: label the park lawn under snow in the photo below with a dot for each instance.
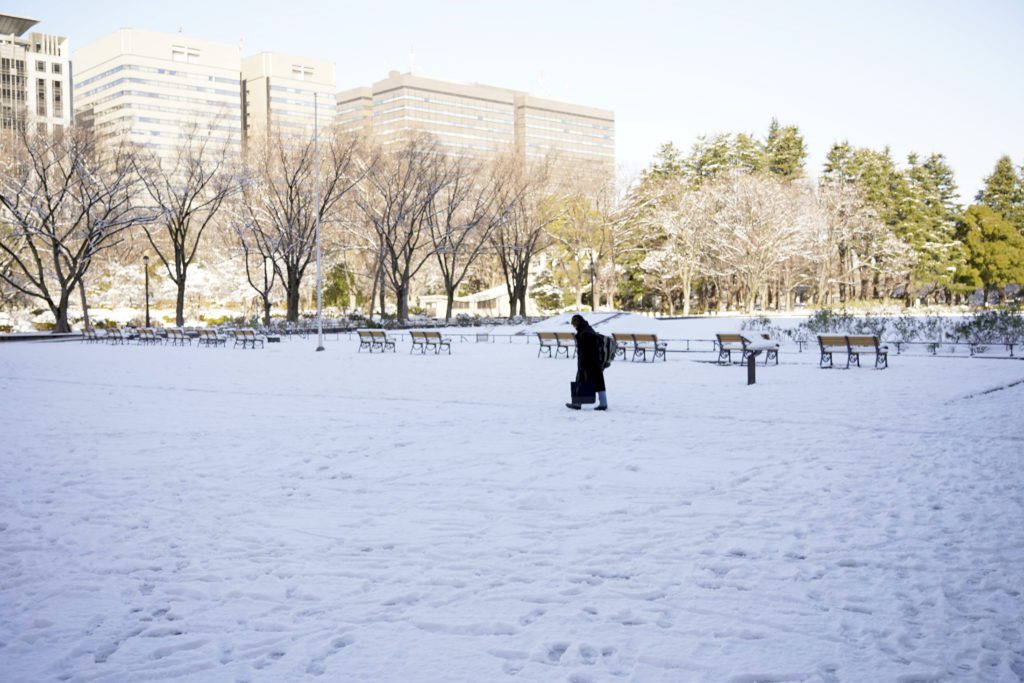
(285, 515)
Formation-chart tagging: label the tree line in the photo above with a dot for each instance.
(734, 223)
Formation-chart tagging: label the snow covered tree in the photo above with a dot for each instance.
(188, 191)
(279, 200)
(1004, 193)
(680, 220)
(476, 200)
(758, 223)
(520, 238)
(784, 151)
(65, 199)
(398, 198)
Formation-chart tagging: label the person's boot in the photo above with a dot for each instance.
(573, 406)
(602, 400)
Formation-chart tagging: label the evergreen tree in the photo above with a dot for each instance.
(668, 163)
(709, 158)
(995, 250)
(930, 220)
(784, 151)
(748, 154)
(1004, 193)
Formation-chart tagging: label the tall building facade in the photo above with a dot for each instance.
(155, 88)
(35, 77)
(281, 92)
(482, 121)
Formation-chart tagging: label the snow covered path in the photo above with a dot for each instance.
(281, 515)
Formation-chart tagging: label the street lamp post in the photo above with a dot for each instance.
(316, 207)
(145, 265)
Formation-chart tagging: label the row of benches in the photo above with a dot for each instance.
(175, 336)
(853, 345)
(422, 340)
(637, 346)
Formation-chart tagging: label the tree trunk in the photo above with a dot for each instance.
(402, 303)
(85, 306)
(448, 306)
(292, 295)
(60, 314)
(266, 311)
(179, 304)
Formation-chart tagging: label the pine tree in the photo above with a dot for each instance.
(784, 151)
(995, 249)
(1004, 193)
(929, 221)
(668, 163)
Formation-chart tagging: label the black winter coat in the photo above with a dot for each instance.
(588, 356)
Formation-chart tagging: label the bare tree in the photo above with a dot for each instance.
(681, 219)
(523, 235)
(66, 199)
(188, 190)
(399, 199)
(477, 199)
(258, 251)
(757, 228)
(279, 202)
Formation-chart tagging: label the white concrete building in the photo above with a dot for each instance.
(35, 77)
(280, 93)
(154, 88)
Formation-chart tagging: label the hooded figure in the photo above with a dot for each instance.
(588, 361)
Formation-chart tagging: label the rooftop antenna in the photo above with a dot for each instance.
(412, 58)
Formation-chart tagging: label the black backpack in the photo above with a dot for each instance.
(606, 350)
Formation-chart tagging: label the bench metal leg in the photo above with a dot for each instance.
(826, 357)
(881, 361)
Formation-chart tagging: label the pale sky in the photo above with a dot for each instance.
(916, 75)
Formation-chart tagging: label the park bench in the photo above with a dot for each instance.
(419, 341)
(762, 341)
(366, 341)
(177, 337)
(383, 340)
(424, 340)
(623, 342)
(548, 341)
(115, 336)
(375, 339)
(147, 335)
(853, 346)
(648, 343)
(729, 342)
(211, 337)
(91, 336)
(565, 341)
(248, 338)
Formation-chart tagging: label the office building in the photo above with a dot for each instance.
(483, 121)
(35, 77)
(281, 92)
(155, 88)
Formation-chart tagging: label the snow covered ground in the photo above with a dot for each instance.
(284, 515)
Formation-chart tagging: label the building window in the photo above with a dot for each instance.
(301, 73)
(56, 68)
(58, 99)
(41, 67)
(41, 97)
(188, 55)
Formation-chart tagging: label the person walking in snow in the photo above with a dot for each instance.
(589, 366)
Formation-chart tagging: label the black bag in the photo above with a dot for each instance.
(583, 392)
